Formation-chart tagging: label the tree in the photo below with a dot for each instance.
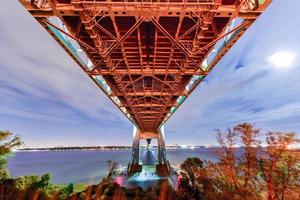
(112, 171)
(235, 175)
(189, 167)
(248, 162)
(191, 185)
(226, 171)
(280, 167)
(7, 143)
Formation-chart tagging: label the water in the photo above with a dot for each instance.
(85, 166)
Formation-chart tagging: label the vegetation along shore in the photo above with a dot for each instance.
(263, 172)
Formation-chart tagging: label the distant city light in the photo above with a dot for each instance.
(282, 59)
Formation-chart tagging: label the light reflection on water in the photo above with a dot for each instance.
(85, 166)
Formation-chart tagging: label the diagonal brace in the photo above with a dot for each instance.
(220, 37)
(131, 30)
(166, 33)
(70, 35)
(117, 44)
(174, 41)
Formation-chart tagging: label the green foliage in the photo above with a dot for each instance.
(3, 161)
(42, 183)
(6, 145)
(25, 182)
(45, 181)
(66, 191)
(4, 174)
(79, 187)
(20, 183)
(69, 189)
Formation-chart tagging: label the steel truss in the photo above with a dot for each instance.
(148, 51)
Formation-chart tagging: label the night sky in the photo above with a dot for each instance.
(47, 99)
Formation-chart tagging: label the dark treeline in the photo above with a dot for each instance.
(267, 168)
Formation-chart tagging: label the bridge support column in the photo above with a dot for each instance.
(148, 143)
(135, 166)
(161, 148)
(163, 166)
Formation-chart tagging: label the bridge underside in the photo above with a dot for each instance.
(147, 56)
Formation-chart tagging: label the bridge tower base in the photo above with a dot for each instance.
(162, 165)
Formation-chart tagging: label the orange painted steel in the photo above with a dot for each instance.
(148, 51)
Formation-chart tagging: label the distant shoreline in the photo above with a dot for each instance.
(119, 148)
(101, 148)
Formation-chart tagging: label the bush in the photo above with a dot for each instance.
(4, 174)
(44, 182)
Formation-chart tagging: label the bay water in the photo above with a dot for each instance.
(86, 166)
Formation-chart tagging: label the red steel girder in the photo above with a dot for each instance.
(147, 52)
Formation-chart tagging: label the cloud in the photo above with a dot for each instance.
(244, 86)
(39, 80)
(45, 96)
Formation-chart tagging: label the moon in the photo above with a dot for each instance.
(281, 59)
